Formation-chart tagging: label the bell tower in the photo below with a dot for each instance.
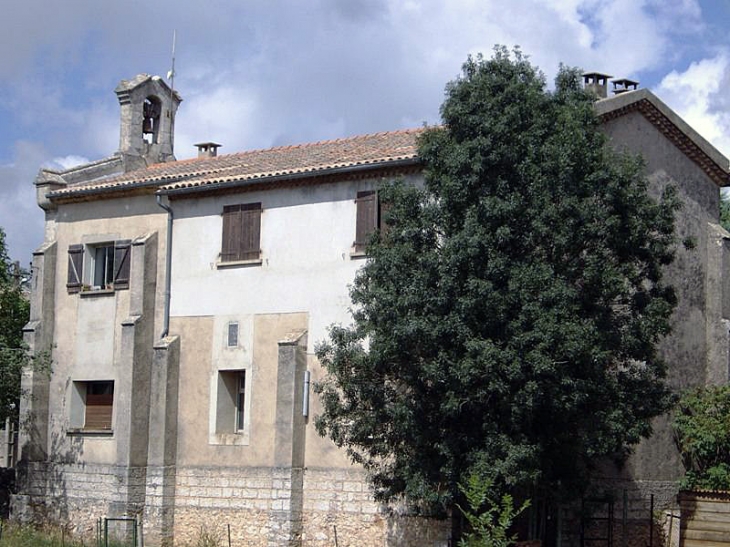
(148, 108)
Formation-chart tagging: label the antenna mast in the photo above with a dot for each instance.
(171, 77)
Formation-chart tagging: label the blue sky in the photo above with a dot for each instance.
(263, 73)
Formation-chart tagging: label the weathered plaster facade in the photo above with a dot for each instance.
(209, 424)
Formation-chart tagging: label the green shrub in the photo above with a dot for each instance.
(489, 515)
(702, 432)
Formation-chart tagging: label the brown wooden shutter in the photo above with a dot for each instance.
(251, 231)
(99, 406)
(230, 243)
(75, 268)
(122, 260)
(367, 218)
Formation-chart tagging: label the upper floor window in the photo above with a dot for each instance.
(241, 239)
(99, 267)
(369, 218)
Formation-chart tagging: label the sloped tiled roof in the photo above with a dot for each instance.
(374, 151)
(378, 149)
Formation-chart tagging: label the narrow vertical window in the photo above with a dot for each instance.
(367, 218)
(232, 334)
(103, 267)
(229, 403)
(151, 112)
(241, 401)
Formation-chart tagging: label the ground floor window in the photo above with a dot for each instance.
(231, 415)
(92, 405)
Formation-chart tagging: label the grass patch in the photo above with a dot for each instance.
(18, 535)
(23, 535)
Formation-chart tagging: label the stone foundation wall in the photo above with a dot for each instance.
(273, 507)
(77, 495)
(247, 499)
(339, 502)
(266, 507)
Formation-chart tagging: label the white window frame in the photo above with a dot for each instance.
(228, 402)
(92, 266)
(78, 406)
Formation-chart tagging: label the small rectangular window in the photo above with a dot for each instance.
(99, 266)
(232, 334)
(92, 405)
(230, 407)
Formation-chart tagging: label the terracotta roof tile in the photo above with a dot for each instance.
(252, 165)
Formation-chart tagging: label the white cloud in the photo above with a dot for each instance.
(19, 214)
(699, 96)
(226, 115)
(67, 162)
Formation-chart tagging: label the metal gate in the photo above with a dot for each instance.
(596, 524)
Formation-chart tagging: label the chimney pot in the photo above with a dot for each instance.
(597, 83)
(622, 85)
(208, 149)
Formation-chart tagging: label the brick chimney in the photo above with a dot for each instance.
(597, 83)
(208, 149)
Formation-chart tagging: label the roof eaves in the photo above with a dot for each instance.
(633, 100)
(95, 190)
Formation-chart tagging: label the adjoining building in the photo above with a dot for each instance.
(182, 301)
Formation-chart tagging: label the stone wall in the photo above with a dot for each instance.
(259, 506)
(77, 495)
(338, 501)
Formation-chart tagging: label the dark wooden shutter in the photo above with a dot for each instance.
(75, 268)
(230, 243)
(99, 405)
(251, 227)
(367, 217)
(122, 260)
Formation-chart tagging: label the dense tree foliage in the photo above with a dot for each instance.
(702, 427)
(506, 322)
(14, 313)
(725, 211)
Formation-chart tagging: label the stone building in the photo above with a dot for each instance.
(182, 301)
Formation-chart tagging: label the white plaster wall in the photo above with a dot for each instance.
(306, 240)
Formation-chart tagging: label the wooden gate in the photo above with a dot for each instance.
(705, 519)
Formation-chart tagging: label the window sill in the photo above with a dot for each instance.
(229, 439)
(80, 431)
(355, 255)
(239, 263)
(96, 292)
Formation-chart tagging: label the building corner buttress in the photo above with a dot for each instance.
(717, 300)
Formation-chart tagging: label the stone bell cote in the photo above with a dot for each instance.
(148, 108)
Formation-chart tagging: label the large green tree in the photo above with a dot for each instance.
(506, 322)
(14, 314)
